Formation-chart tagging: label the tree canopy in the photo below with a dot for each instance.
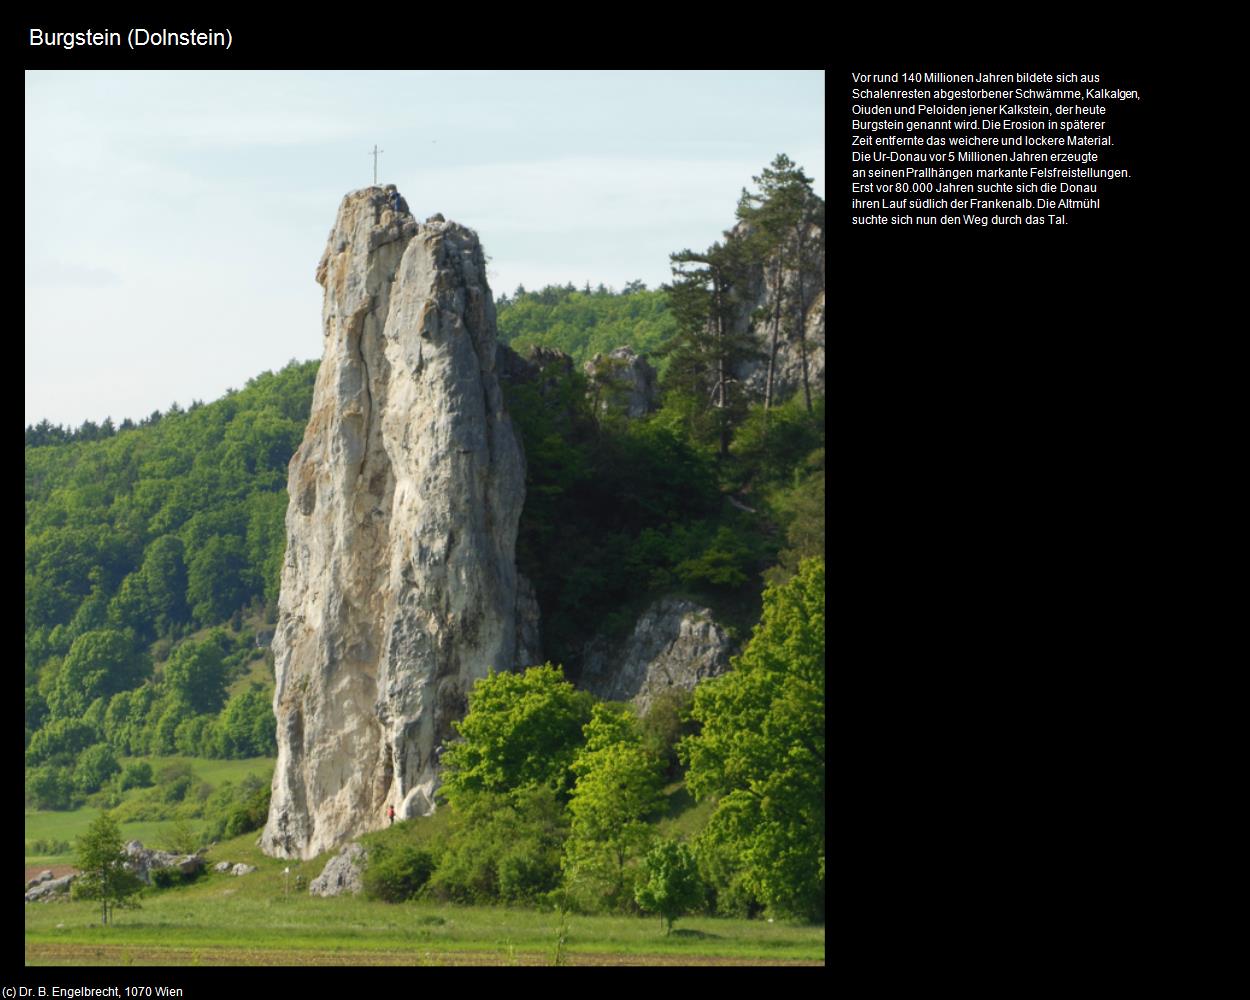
(520, 729)
(761, 749)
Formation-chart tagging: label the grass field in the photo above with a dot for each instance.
(66, 826)
(263, 919)
(253, 920)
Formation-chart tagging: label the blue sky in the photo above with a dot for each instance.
(174, 219)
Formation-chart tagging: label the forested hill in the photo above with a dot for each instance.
(585, 323)
(146, 550)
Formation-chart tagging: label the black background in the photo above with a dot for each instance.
(999, 429)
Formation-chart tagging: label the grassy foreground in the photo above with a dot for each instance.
(251, 920)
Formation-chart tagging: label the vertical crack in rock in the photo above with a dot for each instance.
(399, 588)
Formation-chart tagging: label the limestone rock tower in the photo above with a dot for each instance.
(399, 587)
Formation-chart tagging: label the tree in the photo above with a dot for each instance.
(618, 787)
(672, 885)
(95, 766)
(784, 215)
(520, 729)
(762, 750)
(102, 866)
(164, 574)
(195, 675)
(215, 579)
(60, 740)
(708, 349)
(100, 663)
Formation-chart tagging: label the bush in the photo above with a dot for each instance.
(95, 766)
(397, 873)
(180, 838)
(501, 847)
(666, 722)
(49, 788)
(168, 878)
(146, 807)
(176, 790)
(249, 814)
(527, 878)
(136, 775)
(36, 848)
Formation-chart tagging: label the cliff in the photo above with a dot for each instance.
(399, 587)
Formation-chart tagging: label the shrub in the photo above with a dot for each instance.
(397, 873)
(95, 766)
(176, 790)
(249, 814)
(35, 848)
(137, 774)
(167, 878)
(49, 788)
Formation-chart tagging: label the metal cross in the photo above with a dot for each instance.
(374, 154)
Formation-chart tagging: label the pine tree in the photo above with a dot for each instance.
(707, 350)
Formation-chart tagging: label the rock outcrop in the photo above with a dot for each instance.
(674, 644)
(623, 382)
(143, 861)
(341, 874)
(399, 587)
(51, 889)
(756, 311)
(43, 876)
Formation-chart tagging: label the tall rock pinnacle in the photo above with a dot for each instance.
(399, 587)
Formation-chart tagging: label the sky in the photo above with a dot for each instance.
(174, 219)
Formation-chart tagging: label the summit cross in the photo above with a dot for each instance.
(374, 154)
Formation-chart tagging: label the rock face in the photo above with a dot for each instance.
(757, 308)
(674, 644)
(341, 874)
(529, 644)
(624, 382)
(399, 587)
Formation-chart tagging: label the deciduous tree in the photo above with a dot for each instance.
(102, 865)
(672, 885)
(618, 787)
(520, 729)
(762, 749)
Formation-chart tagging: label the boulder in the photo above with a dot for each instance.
(242, 869)
(222, 866)
(341, 874)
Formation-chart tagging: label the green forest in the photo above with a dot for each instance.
(153, 553)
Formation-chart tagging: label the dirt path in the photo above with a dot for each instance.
(47, 953)
(56, 870)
